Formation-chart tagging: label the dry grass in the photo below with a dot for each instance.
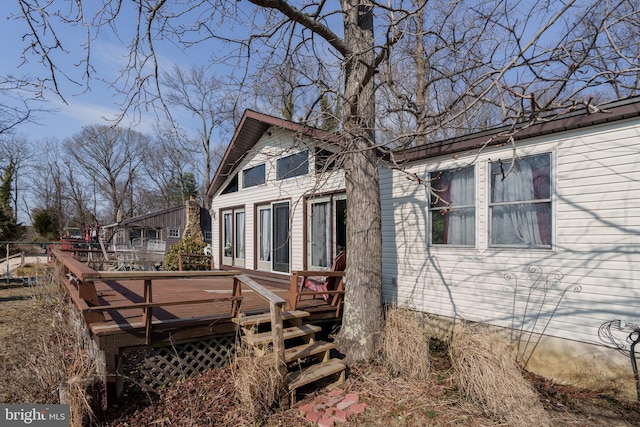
(46, 354)
(258, 384)
(405, 345)
(33, 270)
(487, 374)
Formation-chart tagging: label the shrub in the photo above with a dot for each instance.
(188, 245)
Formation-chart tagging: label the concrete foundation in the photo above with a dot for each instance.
(564, 361)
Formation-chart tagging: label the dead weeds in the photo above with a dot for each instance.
(41, 351)
(211, 398)
(488, 375)
(405, 345)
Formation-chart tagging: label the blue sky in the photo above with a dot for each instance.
(82, 107)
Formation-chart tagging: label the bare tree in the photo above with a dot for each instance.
(517, 59)
(174, 156)
(111, 158)
(202, 96)
(16, 103)
(49, 187)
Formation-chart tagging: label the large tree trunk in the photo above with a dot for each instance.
(363, 313)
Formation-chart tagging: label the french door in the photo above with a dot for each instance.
(274, 246)
(233, 237)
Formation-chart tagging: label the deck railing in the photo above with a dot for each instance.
(78, 278)
(276, 307)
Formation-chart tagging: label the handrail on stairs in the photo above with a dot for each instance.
(276, 306)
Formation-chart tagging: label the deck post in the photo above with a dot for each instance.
(278, 338)
(237, 294)
(147, 316)
(112, 370)
(293, 291)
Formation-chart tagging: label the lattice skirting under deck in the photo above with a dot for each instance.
(151, 368)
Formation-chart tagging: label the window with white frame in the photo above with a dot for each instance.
(173, 233)
(294, 165)
(264, 237)
(520, 205)
(452, 211)
(232, 186)
(233, 237)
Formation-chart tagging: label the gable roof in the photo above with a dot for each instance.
(248, 132)
(580, 118)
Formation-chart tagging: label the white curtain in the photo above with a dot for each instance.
(320, 235)
(239, 235)
(461, 221)
(265, 235)
(514, 224)
(228, 237)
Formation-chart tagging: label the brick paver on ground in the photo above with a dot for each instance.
(333, 407)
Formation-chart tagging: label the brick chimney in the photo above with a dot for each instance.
(192, 227)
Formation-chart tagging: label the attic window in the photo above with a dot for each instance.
(253, 176)
(325, 160)
(232, 187)
(293, 165)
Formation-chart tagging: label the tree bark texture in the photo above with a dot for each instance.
(362, 321)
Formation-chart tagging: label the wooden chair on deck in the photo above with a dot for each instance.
(324, 283)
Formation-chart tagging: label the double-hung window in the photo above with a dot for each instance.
(520, 207)
(452, 208)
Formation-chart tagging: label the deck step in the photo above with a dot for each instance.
(258, 319)
(314, 373)
(291, 332)
(306, 350)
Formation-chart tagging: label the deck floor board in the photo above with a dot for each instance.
(112, 292)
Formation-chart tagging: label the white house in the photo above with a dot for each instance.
(278, 200)
(547, 244)
(550, 246)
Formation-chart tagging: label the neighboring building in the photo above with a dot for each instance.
(169, 225)
(568, 212)
(278, 201)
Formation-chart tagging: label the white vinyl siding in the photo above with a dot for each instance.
(595, 232)
(293, 190)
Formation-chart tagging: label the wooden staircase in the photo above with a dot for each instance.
(307, 360)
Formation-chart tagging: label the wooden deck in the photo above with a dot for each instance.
(125, 310)
(183, 301)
